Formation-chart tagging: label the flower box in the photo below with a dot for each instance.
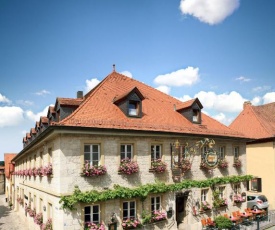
(158, 166)
(127, 166)
(238, 198)
(93, 170)
(94, 226)
(38, 219)
(223, 164)
(205, 206)
(237, 163)
(131, 223)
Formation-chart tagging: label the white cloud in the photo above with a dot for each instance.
(4, 99)
(90, 84)
(269, 97)
(261, 88)
(232, 102)
(242, 79)
(209, 11)
(24, 103)
(256, 101)
(127, 73)
(184, 98)
(164, 89)
(11, 116)
(226, 102)
(36, 117)
(42, 92)
(188, 76)
(223, 118)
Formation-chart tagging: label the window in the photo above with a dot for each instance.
(204, 194)
(155, 152)
(129, 209)
(222, 152)
(34, 201)
(256, 184)
(133, 108)
(92, 154)
(41, 158)
(41, 205)
(237, 188)
(155, 203)
(221, 192)
(34, 158)
(196, 115)
(50, 155)
(50, 210)
(236, 152)
(92, 214)
(126, 151)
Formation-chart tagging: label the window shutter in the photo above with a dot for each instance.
(259, 183)
(247, 185)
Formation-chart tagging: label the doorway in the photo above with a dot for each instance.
(181, 200)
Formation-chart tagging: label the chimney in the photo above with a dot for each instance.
(246, 104)
(79, 94)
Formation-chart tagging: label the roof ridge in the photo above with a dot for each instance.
(85, 100)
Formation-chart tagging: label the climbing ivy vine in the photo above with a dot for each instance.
(68, 202)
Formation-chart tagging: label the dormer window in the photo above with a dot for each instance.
(133, 108)
(191, 110)
(130, 103)
(196, 115)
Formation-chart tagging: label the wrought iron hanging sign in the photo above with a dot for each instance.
(209, 157)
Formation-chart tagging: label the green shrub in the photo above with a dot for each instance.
(223, 222)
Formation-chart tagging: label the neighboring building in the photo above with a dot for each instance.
(122, 119)
(9, 179)
(258, 123)
(2, 179)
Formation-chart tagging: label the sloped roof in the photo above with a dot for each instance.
(69, 101)
(256, 122)
(188, 104)
(98, 110)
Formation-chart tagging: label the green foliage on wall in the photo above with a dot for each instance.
(142, 191)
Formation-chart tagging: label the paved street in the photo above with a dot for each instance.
(9, 219)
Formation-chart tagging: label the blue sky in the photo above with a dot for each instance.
(221, 51)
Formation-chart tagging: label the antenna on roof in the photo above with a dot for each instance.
(114, 68)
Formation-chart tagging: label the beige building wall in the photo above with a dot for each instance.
(67, 160)
(261, 163)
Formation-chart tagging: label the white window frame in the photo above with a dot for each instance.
(156, 149)
(222, 152)
(124, 153)
(237, 188)
(92, 213)
(236, 152)
(222, 192)
(91, 153)
(128, 209)
(204, 194)
(155, 203)
(133, 108)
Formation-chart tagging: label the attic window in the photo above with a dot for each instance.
(133, 108)
(196, 115)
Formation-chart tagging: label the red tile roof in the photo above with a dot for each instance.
(99, 110)
(8, 167)
(69, 101)
(256, 121)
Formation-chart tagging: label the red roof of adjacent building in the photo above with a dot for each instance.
(159, 111)
(8, 167)
(256, 122)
